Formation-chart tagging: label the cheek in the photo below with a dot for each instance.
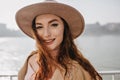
(59, 34)
(40, 34)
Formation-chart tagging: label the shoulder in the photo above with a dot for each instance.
(32, 60)
(22, 72)
(30, 73)
(80, 72)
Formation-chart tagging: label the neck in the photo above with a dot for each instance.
(54, 54)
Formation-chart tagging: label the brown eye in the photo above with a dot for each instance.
(54, 25)
(39, 27)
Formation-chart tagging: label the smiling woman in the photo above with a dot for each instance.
(50, 29)
(56, 56)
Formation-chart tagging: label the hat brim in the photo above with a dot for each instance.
(25, 16)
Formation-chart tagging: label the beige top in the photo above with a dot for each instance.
(76, 72)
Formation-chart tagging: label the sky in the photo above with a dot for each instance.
(102, 11)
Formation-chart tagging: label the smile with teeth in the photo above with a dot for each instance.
(48, 42)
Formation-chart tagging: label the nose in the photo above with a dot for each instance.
(47, 32)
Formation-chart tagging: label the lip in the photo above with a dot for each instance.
(49, 42)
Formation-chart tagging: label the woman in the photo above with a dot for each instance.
(54, 26)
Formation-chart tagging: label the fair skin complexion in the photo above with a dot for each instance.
(50, 29)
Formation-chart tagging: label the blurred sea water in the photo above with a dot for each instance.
(13, 52)
(103, 52)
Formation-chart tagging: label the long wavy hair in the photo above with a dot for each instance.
(68, 51)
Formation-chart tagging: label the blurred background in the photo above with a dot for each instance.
(99, 42)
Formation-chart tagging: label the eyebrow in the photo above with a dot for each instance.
(48, 22)
(52, 20)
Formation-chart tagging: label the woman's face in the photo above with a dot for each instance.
(50, 29)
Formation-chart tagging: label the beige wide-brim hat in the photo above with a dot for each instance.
(73, 17)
